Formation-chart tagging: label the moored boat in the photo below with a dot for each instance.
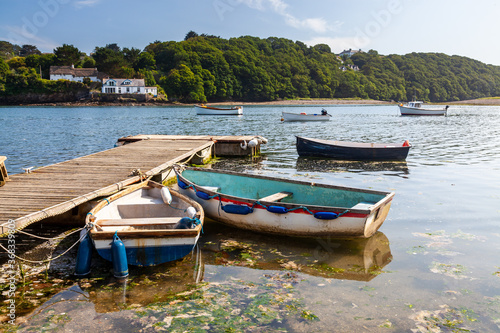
(290, 116)
(155, 224)
(284, 206)
(352, 151)
(415, 108)
(210, 110)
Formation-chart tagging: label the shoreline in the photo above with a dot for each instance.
(295, 102)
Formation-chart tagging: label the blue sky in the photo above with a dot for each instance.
(456, 27)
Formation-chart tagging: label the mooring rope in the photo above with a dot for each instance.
(50, 239)
(46, 260)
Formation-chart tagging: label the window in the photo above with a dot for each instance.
(111, 83)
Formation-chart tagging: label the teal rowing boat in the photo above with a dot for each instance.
(284, 206)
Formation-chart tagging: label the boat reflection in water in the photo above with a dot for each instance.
(397, 168)
(360, 259)
(146, 285)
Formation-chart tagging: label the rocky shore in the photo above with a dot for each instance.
(481, 101)
(167, 103)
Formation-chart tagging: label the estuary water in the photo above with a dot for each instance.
(434, 265)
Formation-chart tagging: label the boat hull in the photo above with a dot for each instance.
(351, 151)
(408, 111)
(145, 224)
(205, 110)
(289, 116)
(358, 220)
(149, 251)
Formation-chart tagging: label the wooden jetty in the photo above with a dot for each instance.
(64, 187)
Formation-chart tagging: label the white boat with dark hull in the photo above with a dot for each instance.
(152, 230)
(415, 108)
(210, 110)
(283, 206)
(291, 116)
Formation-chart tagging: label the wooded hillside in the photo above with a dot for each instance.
(208, 68)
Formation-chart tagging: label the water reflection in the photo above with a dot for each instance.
(327, 165)
(145, 285)
(223, 246)
(351, 259)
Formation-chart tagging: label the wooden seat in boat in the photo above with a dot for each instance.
(276, 196)
(139, 221)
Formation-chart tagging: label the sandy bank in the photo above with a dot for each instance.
(480, 101)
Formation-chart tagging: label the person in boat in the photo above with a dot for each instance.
(324, 112)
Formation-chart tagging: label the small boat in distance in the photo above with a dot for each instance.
(156, 225)
(210, 110)
(415, 108)
(352, 151)
(290, 116)
(284, 206)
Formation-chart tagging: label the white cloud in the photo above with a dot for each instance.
(86, 3)
(280, 7)
(314, 24)
(20, 36)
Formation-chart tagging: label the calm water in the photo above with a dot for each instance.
(435, 263)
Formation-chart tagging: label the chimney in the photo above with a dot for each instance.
(72, 66)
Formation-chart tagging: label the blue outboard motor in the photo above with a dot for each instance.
(84, 256)
(119, 257)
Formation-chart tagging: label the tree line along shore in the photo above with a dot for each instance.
(206, 68)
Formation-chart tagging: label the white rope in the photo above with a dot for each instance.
(46, 260)
(50, 239)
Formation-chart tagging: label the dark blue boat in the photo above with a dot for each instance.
(352, 151)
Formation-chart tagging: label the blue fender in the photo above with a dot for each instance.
(119, 257)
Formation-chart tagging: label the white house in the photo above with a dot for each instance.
(349, 52)
(152, 90)
(123, 86)
(74, 74)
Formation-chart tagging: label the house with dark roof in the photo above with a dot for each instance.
(74, 74)
(123, 86)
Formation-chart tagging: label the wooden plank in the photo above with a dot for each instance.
(276, 196)
(139, 221)
(54, 189)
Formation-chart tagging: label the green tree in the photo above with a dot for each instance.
(109, 61)
(190, 34)
(183, 85)
(16, 63)
(145, 61)
(67, 55)
(27, 50)
(88, 62)
(7, 50)
(41, 62)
